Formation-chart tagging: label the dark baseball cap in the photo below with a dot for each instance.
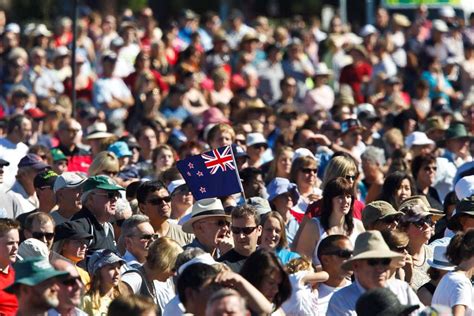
(45, 179)
(4, 163)
(71, 230)
(32, 161)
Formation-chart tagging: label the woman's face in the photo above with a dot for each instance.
(110, 274)
(307, 175)
(427, 174)
(421, 230)
(342, 204)
(75, 250)
(284, 163)
(403, 192)
(221, 139)
(270, 285)
(271, 233)
(164, 160)
(283, 203)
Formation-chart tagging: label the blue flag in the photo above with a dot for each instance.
(211, 174)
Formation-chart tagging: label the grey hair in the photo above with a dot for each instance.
(86, 195)
(122, 207)
(225, 292)
(132, 222)
(374, 154)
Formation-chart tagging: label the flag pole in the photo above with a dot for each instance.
(238, 175)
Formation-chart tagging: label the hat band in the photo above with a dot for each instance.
(210, 212)
(442, 263)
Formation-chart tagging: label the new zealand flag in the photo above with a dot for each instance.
(211, 174)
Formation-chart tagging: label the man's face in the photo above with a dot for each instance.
(25, 130)
(157, 205)
(148, 139)
(70, 289)
(182, 198)
(59, 166)
(45, 295)
(351, 139)
(332, 263)
(245, 233)
(104, 204)
(255, 186)
(46, 195)
(69, 198)
(228, 305)
(138, 243)
(70, 135)
(43, 232)
(372, 273)
(9, 247)
(209, 231)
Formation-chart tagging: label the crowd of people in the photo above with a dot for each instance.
(354, 149)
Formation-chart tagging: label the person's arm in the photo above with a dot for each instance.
(308, 239)
(315, 277)
(424, 296)
(257, 302)
(459, 310)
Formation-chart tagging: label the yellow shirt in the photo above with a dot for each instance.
(102, 309)
(85, 277)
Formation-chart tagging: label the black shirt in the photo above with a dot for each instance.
(233, 259)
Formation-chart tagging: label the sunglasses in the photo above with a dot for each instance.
(377, 262)
(40, 235)
(341, 253)
(401, 249)
(391, 219)
(350, 178)
(111, 195)
(428, 168)
(244, 230)
(159, 201)
(420, 223)
(148, 236)
(309, 170)
(222, 223)
(71, 281)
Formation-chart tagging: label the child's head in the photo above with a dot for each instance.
(299, 264)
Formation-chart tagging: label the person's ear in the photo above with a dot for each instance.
(259, 230)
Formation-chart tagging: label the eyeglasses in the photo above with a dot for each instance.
(377, 262)
(148, 236)
(309, 170)
(350, 178)
(420, 223)
(159, 201)
(182, 189)
(341, 253)
(244, 230)
(401, 249)
(71, 281)
(111, 195)
(428, 168)
(222, 223)
(41, 235)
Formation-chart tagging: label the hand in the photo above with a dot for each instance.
(225, 243)
(322, 139)
(229, 279)
(313, 197)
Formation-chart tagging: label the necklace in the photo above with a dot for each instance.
(424, 259)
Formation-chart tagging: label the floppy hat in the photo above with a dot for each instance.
(120, 149)
(261, 205)
(435, 123)
(68, 180)
(322, 70)
(401, 20)
(464, 187)
(439, 260)
(370, 245)
(100, 182)
(100, 259)
(32, 161)
(377, 210)
(279, 186)
(457, 130)
(418, 139)
(422, 201)
(98, 130)
(256, 138)
(382, 302)
(205, 208)
(70, 230)
(33, 271)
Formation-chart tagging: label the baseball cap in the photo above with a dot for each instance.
(58, 154)
(32, 161)
(350, 125)
(35, 113)
(100, 259)
(33, 271)
(100, 182)
(418, 138)
(4, 163)
(69, 180)
(175, 184)
(70, 230)
(120, 149)
(45, 179)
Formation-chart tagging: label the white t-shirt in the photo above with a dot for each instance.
(174, 307)
(454, 289)
(325, 294)
(12, 153)
(303, 300)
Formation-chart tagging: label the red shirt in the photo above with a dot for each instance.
(352, 75)
(8, 302)
(314, 209)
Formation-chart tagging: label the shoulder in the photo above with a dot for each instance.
(358, 225)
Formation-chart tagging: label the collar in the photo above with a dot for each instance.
(5, 270)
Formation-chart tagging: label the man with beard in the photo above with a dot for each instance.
(154, 201)
(99, 202)
(36, 286)
(67, 189)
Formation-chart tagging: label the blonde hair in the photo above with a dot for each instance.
(121, 289)
(104, 161)
(162, 254)
(272, 171)
(338, 166)
(299, 264)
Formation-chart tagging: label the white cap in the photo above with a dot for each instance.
(205, 258)
(42, 30)
(68, 180)
(60, 52)
(418, 138)
(447, 12)
(33, 247)
(367, 30)
(440, 26)
(464, 187)
(12, 27)
(365, 107)
(256, 138)
(322, 70)
(302, 152)
(175, 184)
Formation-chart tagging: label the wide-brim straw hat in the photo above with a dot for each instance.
(205, 208)
(371, 245)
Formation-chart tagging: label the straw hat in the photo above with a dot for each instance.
(204, 208)
(370, 245)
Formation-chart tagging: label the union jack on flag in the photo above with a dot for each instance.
(211, 174)
(214, 160)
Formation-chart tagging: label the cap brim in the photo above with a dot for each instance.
(37, 279)
(439, 266)
(188, 226)
(99, 135)
(109, 187)
(40, 166)
(373, 254)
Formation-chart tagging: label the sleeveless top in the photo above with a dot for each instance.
(323, 234)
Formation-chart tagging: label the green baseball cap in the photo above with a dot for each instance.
(33, 271)
(100, 182)
(58, 155)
